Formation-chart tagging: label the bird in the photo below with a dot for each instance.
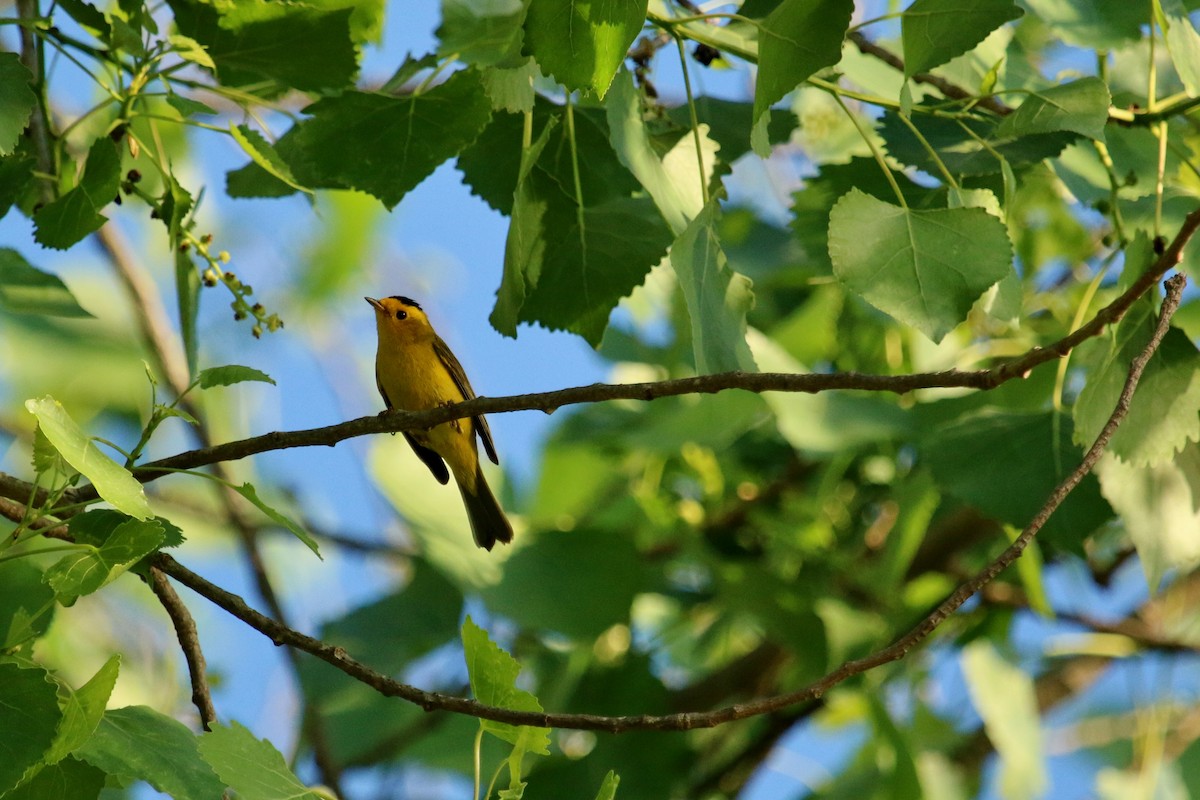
(415, 370)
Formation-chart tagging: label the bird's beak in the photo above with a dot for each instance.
(378, 306)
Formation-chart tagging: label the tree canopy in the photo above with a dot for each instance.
(891, 489)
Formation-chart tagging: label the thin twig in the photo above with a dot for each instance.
(430, 701)
(947, 88)
(189, 642)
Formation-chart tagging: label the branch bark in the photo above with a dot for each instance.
(431, 701)
(189, 642)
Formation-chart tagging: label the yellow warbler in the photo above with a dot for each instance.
(415, 370)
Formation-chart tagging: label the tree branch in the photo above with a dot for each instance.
(189, 642)
(431, 701)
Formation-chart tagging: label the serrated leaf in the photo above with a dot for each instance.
(68, 219)
(247, 491)
(66, 779)
(1004, 696)
(679, 194)
(482, 32)
(717, 298)
(251, 767)
(375, 143)
(188, 107)
(1007, 464)
(924, 267)
(963, 153)
(82, 710)
(83, 573)
(582, 43)
(493, 675)
(1080, 106)
(113, 482)
(935, 31)
(1092, 24)
(1165, 412)
(189, 49)
(26, 604)
(25, 289)
(29, 717)
(798, 38)
(1160, 506)
(294, 45)
(230, 375)
(511, 89)
(1183, 43)
(137, 742)
(263, 154)
(17, 100)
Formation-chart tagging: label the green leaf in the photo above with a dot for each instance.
(67, 779)
(83, 573)
(674, 180)
(1004, 696)
(16, 179)
(539, 594)
(25, 289)
(1007, 464)
(73, 216)
(924, 267)
(17, 100)
(1160, 506)
(87, 15)
(1079, 106)
(376, 143)
(112, 481)
(964, 153)
(83, 709)
(29, 716)
(935, 31)
(1183, 43)
(140, 743)
(588, 262)
(26, 604)
(582, 43)
(263, 154)
(1093, 24)
(251, 767)
(190, 50)
(293, 45)
(493, 675)
(608, 789)
(1165, 413)
(511, 89)
(482, 32)
(717, 298)
(230, 375)
(187, 107)
(187, 298)
(798, 38)
(247, 491)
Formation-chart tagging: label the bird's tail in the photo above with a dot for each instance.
(488, 523)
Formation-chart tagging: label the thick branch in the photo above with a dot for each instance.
(189, 642)
(430, 701)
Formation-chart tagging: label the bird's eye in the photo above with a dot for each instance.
(401, 314)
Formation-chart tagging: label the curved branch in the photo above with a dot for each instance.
(431, 701)
(189, 642)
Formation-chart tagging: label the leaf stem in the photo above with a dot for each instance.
(691, 103)
(937, 160)
(879, 159)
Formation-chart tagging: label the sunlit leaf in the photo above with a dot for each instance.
(25, 289)
(493, 675)
(582, 43)
(924, 267)
(1080, 106)
(112, 481)
(252, 767)
(230, 375)
(17, 100)
(935, 31)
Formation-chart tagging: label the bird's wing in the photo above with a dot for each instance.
(464, 386)
(431, 459)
